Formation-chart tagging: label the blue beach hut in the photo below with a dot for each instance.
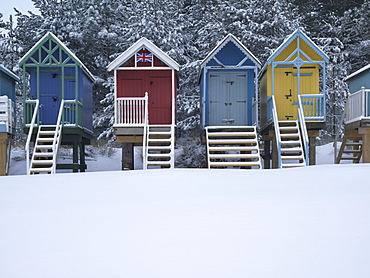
(58, 107)
(229, 90)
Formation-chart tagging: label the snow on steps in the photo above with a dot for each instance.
(291, 151)
(234, 146)
(45, 150)
(160, 146)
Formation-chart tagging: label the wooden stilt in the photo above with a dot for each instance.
(75, 156)
(365, 132)
(82, 157)
(312, 150)
(127, 156)
(267, 154)
(275, 161)
(3, 153)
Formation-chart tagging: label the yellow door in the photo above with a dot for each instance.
(286, 95)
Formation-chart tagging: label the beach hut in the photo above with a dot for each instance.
(292, 101)
(356, 141)
(7, 116)
(229, 91)
(145, 104)
(58, 106)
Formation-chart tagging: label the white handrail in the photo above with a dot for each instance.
(57, 137)
(302, 125)
(277, 131)
(34, 116)
(145, 139)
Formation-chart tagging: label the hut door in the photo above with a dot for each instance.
(49, 96)
(228, 99)
(160, 96)
(286, 93)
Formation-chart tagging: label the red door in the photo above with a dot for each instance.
(160, 98)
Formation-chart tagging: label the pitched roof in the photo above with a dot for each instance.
(51, 36)
(221, 44)
(143, 43)
(8, 72)
(365, 68)
(297, 33)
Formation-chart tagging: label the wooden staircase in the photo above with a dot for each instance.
(45, 153)
(233, 147)
(351, 148)
(159, 147)
(291, 150)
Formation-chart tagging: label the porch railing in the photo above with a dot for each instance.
(29, 108)
(72, 113)
(131, 111)
(6, 114)
(358, 106)
(314, 107)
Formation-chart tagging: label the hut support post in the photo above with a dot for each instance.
(3, 153)
(127, 156)
(365, 132)
(75, 156)
(82, 157)
(275, 162)
(312, 134)
(267, 156)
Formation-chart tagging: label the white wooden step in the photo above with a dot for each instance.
(231, 141)
(226, 148)
(291, 157)
(231, 134)
(235, 164)
(167, 155)
(39, 170)
(228, 156)
(291, 165)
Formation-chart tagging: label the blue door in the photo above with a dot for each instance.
(228, 99)
(50, 96)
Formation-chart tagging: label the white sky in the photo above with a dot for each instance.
(6, 7)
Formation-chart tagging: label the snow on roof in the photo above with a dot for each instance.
(238, 43)
(365, 68)
(65, 48)
(143, 43)
(8, 72)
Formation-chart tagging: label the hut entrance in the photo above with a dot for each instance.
(160, 100)
(228, 99)
(49, 96)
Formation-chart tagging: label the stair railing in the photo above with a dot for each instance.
(57, 137)
(277, 131)
(30, 131)
(172, 146)
(303, 128)
(145, 131)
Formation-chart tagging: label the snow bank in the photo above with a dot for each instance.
(307, 222)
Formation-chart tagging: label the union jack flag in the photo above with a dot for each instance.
(144, 57)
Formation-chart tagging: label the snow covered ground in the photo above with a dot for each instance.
(306, 222)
